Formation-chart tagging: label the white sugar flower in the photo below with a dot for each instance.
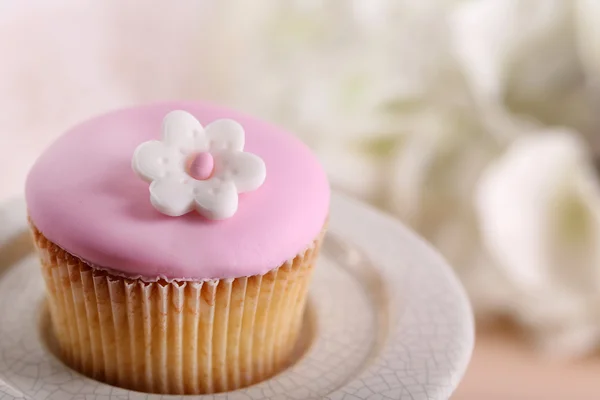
(198, 168)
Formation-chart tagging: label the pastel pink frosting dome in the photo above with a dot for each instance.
(83, 195)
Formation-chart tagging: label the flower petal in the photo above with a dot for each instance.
(225, 134)
(172, 196)
(183, 131)
(149, 160)
(246, 170)
(216, 198)
(522, 201)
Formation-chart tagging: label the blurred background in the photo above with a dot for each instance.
(476, 122)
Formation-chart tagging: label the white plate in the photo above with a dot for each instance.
(391, 321)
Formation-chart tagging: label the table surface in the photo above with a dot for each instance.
(504, 367)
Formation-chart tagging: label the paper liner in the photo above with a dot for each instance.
(174, 337)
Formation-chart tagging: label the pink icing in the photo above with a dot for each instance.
(201, 166)
(83, 195)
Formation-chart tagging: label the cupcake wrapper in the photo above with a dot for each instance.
(174, 337)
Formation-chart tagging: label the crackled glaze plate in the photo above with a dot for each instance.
(387, 319)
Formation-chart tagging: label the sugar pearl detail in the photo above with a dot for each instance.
(200, 166)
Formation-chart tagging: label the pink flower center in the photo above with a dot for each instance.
(200, 166)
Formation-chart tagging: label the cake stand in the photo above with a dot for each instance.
(386, 319)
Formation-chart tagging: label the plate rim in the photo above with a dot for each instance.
(423, 250)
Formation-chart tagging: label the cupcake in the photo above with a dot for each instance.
(177, 242)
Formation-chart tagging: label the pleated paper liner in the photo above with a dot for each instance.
(175, 337)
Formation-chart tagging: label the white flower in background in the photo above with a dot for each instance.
(198, 168)
(417, 106)
(520, 57)
(588, 35)
(539, 213)
(491, 37)
(587, 15)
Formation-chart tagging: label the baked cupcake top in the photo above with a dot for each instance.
(179, 190)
